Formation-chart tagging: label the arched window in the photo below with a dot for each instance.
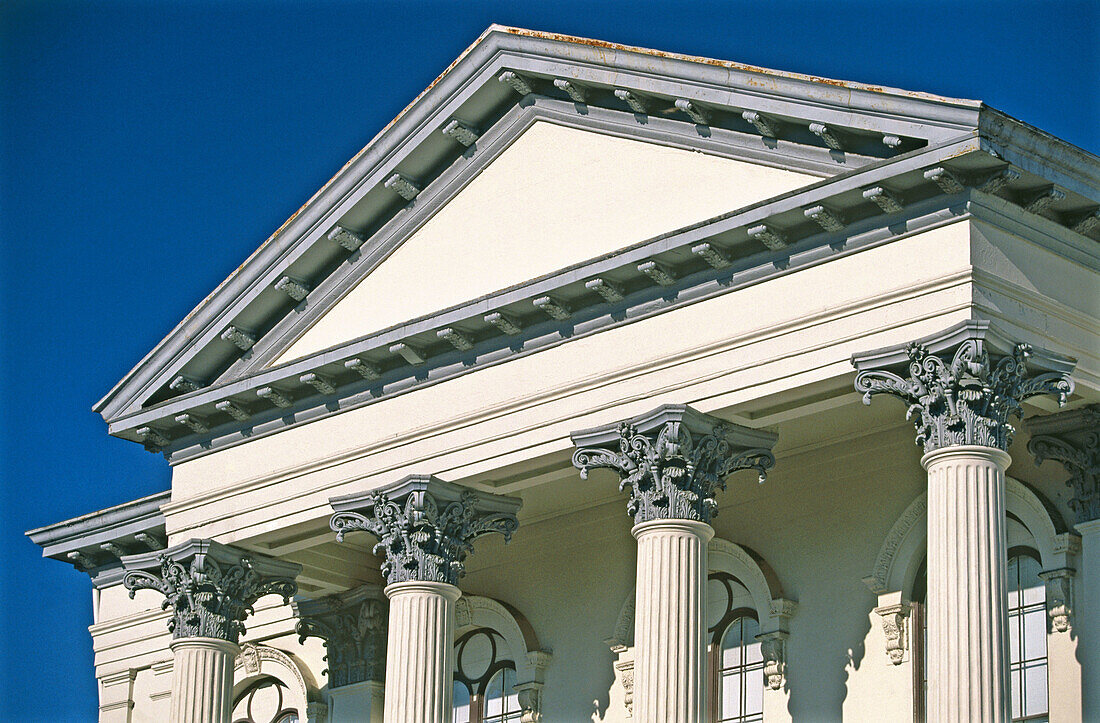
(736, 662)
(1027, 636)
(484, 680)
(265, 701)
(741, 673)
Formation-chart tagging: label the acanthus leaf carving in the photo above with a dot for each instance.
(671, 472)
(773, 647)
(250, 657)
(1076, 446)
(1059, 595)
(529, 697)
(427, 535)
(208, 598)
(895, 626)
(968, 400)
(353, 626)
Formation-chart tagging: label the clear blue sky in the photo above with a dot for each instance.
(148, 148)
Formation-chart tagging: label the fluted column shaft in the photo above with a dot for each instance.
(967, 596)
(670, 660)
(202, 680)
(420, 657)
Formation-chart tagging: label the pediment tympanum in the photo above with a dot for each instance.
(557, 196)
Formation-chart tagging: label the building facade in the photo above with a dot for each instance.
(588, 391)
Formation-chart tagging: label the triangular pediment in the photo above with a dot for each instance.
(554, 198)
(539, 171)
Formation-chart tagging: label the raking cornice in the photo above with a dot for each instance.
(882, 133)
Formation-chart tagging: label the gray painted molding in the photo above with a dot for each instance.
(93, 542)
(470, 90)
(532, 338)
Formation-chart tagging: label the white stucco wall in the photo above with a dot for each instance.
(818, 522)
(842, 480)
(555, 197)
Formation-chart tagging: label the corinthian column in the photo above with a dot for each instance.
(672, 462)
(211, 589)
(425, 529)
(353, 626)
(961, 388)
(1073, 439)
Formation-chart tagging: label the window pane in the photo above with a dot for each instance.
(1030, 583)
(731, 645)
(461, 703)
(741, 690)
(1027, 628)
(1013, 636)
(501, 701)
(1017, 693)
(511, 697)
(494, 695)
(1035, 690)
(1035, 634)
(754, 694)
(731, 697)
(749, 631)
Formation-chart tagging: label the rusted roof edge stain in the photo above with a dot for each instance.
(730, 64)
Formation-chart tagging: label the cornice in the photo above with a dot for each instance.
(469, 91)
(493, 347)
(502, 82)
(94, 543)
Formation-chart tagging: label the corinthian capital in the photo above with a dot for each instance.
(425, 526)
(210, 587)
(964, 384)
(1072, 438)
(673, 460)
(353, 625)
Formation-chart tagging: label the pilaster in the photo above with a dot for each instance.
(116, 696)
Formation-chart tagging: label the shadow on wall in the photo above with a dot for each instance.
(827, 643)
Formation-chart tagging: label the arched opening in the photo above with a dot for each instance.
(266, 700)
